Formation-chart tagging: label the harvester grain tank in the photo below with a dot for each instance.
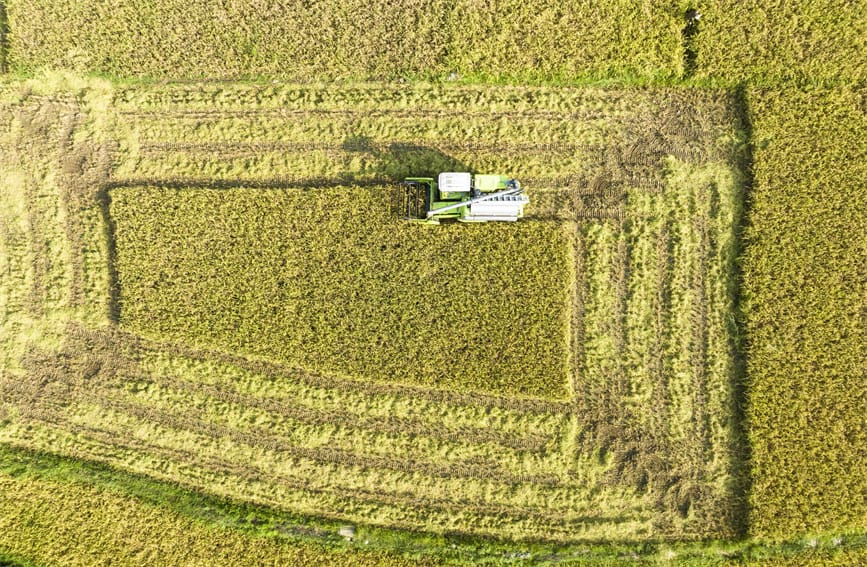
(462, 196)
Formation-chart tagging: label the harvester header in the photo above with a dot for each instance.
(462, 196)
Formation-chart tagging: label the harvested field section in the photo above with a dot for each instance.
(49, 180)
(318, 398)
(655, 353)
(36, 215)
(121, 413)
(51, 263)
(578, 151)
(333, 281)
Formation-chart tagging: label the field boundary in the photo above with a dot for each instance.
(741, 472)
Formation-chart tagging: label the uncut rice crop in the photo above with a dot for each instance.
(332, 280)
(563, 38)
(346, 39)
(804, 281)
(67, 523)
(800, 41)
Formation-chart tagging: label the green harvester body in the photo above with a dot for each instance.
(463, 197)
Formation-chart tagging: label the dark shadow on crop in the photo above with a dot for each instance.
(103, 199)
(4, 37)
(7, 560)
(400, 160)
(384, 165)
(690, 51)
(740, 347)
(262, 183)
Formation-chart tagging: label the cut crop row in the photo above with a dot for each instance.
(652, 288)
(266, 484)
(112, 373)
(390, 96)
(400, 451)
(257, 376)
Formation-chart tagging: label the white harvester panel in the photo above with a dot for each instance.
(502, 208)
(455, 182)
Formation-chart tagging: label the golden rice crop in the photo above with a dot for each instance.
(346, 39)
(331, 280)
(799, 41)
(804, 284)
(633, 226)
(75, 524)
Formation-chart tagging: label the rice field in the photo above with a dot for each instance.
(349, 39)
(220, 345)
(805, 312)
(620, 424)
(123, 531)
(787, 44)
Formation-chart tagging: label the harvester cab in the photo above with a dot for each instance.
(461, 196)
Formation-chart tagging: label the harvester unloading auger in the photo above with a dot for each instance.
(462, 196)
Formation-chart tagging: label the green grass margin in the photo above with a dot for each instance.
(9, 560)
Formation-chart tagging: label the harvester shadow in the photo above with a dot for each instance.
(381, 165)
(4, 37)
(400, 160)
(103, 200)
(742, 473)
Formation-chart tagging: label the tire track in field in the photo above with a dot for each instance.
(275, 370)
(400, 113)
(121, 345)
(659, 393)
(107, 388)
(96, 371)
(474, 400)
(389, 425)
(114, 441)
(227, 149)
(91, 376)
(257, 437)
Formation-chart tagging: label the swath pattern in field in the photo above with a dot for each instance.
(637, 441)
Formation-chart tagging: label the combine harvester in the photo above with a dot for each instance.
(461, 196)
